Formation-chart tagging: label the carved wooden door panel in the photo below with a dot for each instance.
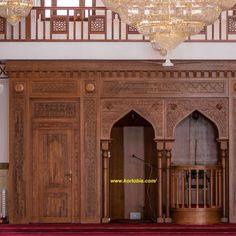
(54, 154)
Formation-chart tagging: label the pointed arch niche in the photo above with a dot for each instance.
(195, 141)
(132, 157)
(198, 177)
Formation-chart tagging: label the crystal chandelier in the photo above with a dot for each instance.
(167, 23)
(14, 10)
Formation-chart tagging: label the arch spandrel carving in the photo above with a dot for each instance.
(114, 109)
(214, 109)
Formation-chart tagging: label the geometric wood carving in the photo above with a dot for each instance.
(18, 161)
(59, 24)
(54, 87)
(54, 109)
(215, 109)
(90, 158)
(231, 24)
(131, 30)
(162, 96)
(97, 24)
(114, 109)
(157, 87)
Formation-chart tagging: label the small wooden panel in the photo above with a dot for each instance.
(55, 109)
(164, 88)
(54, 88)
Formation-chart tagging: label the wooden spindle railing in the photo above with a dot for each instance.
(96, 24)
(196, 186)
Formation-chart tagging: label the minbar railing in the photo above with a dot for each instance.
(197, 193)
(97, 24)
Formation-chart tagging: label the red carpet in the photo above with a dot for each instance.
(118, 229)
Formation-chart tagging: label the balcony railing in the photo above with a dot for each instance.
(97, 24)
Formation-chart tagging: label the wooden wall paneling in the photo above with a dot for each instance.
(116, 87)
(19, 179)
(117, 172)
(232, 152)
(90, 150)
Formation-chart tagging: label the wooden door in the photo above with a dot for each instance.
(54, 158)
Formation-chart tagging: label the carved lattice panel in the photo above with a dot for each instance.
(59, 25)
(232, 24)
(97, 24)
(132, 30)
(2, 25)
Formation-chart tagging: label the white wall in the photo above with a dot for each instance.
(3, 120)
(113, 51)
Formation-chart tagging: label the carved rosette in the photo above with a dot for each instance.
(214, 109)
(115, 109)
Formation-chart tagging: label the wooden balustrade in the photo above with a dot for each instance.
(97, 24)
(197, 194)
(196, 186)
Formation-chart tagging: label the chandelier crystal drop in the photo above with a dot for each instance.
(14, 10)
(167, 23)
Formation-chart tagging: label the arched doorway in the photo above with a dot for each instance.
(133, 160)
(197, 172)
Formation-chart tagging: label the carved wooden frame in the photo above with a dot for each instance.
(103, 106)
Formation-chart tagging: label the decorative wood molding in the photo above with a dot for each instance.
(161, 87)
(47, 87)
(18, 158)
(216, 109)
(55, 109)
(90, 158)
(88, 98)
(121, 69)
(114, 109)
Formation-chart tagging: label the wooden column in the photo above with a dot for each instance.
(28, 27)
(223, 154)
(168, 155)
(105, 172)
(160, 148)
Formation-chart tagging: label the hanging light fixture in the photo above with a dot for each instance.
(14, 10)
(167, 23)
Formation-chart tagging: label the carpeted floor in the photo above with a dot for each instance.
(117, 229)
